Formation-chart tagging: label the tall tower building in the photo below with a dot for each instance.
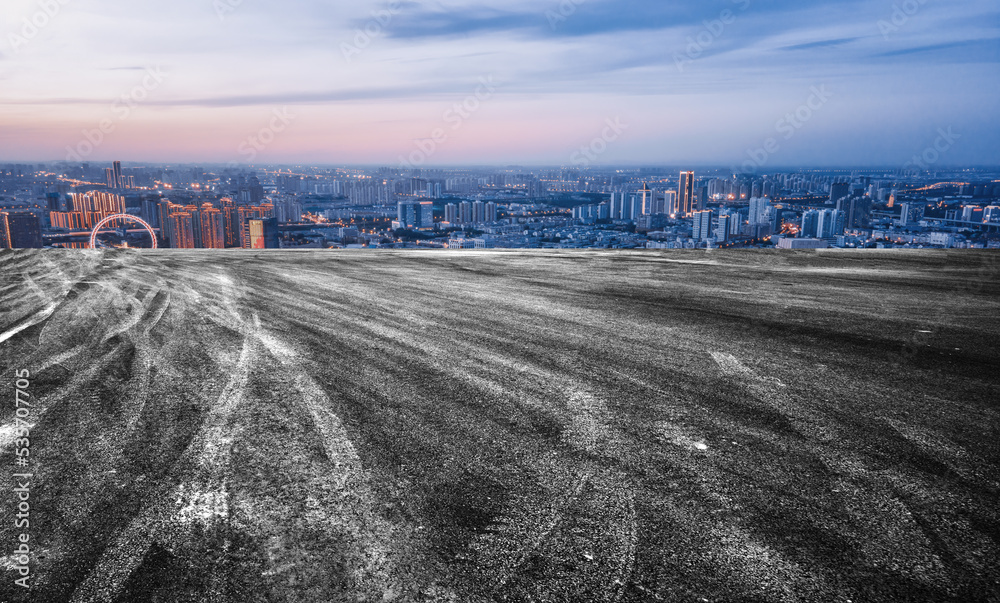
(261, 234)
(701, 227)
(20, 230)
(646, 200)
(685, 194)
(839, 190)
(213, 230)
(118, 174)
(182, 230)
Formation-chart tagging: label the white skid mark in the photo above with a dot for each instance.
(210, 450)
(197, 506)
(37, 318)
(732, 367)
(8, 434)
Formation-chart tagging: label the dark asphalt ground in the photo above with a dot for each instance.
(505, 426)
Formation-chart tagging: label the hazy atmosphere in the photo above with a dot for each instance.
(836, 82)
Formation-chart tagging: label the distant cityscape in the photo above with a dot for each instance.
(184, 207)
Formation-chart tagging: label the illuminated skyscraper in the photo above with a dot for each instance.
(182, 230)
(685, 194)
(20, 230)
(232, 223)
(258, 212)
(213, 230)
(646, 200)
(261, 234)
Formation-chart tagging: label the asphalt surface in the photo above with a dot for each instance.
(504, 426)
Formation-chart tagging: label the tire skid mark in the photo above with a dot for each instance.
(590, 546)
(588, 430)
(506, 548)
(79, 382)
(30, 322)
(627, 567)
(377, 545)
(197, 498)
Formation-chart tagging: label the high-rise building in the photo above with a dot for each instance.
(166, 208)
(261, 234)
(151, 212)
(451, 213)
(618, 206)
(232, 224)
(839, 190)
(759, 210)
(20, 230)
(857, 211)
(213, 228)
(701, 225)
(412, 214)
(725, 226)
(701, 198)
(182, 230)
(810, 219)
(685, 195)
(255, 212)
(829, 224)
(645, 200)
(911, 213)
(972, 213)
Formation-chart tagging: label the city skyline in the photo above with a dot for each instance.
(590, 83)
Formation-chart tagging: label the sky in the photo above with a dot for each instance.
(570, 82)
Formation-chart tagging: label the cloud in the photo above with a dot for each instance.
(821, 44)
(975, 51)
